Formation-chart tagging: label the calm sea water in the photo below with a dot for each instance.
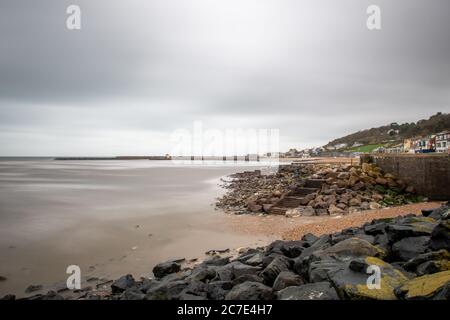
(109, 217)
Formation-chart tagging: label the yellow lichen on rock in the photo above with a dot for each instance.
(424, 287)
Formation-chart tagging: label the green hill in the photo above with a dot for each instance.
(371, 138)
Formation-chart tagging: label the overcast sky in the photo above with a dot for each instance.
(139, 70)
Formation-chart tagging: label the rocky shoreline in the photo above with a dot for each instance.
(315, 190)
(411, 252)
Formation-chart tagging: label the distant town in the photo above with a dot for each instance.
(433, 143)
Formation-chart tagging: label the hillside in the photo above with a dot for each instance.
(395, 131)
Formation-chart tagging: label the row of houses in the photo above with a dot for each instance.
(433, 143)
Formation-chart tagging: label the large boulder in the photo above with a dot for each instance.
(352, 282)
(310, 291)
(410, 227)
(286, 279)
(410, 247)
(354, 247)
(424, 287)
(167, 290)
(217, 290)
(440, 236)
(414, 263)
(318, 270)
(122, 284)
(250, 291)
(165, 268)
(271, 272)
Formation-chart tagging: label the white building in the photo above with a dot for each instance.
(443, 142)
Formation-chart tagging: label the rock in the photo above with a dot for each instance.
(217, 290)
(33, 288)
(440, 213)
(355, 202)
(216, 261)
(271, 272)
(194, 290)
(165, 268)
(308, 239)
(254, 207)
(354, 247)
(250, 291)
(375, 228)
(8, 297)
(132, 294)
(306, 199)
(310, 291)
(440, 255)
(291, 249)
(413, 227)
(307, 211)
(248, 278)
(410, 189)
(123, 283)
(334, 210)
(238, 269)
(365, 205)
(359, 186)
(286, 279)
(254, 259)
(440, 236)
(408, 248)
(343, 175)
(434, 266)
(352, 285)
(52, 295)
(374, 206)
(424, 287)
(381, 181)
(166, 291)
(318, 270)
(292, 213)
(204, 274)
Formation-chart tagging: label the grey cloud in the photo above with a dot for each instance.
(309, 68)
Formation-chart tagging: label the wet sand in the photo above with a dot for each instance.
(108, 217)
(280, 227)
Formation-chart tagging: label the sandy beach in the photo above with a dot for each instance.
(108, 217)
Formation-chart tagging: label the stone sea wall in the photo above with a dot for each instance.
(428, 174)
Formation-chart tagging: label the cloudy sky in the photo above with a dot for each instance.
(138, 70)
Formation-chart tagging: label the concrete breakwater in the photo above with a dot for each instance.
(428, 174)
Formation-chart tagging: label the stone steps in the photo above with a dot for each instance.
(294, 199)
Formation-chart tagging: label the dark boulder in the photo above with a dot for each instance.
(167, 291)
(246, 278)
(408, 248)
(123, 283)
(433, 266)
(412, 264)
(217, 290)
(425, 287)
(410, 227)
(440, 237)
(132, 294)
(165, 268)
(271, 272)
(353, 285)
(310, 291)
(287, 279)
(250, 291)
